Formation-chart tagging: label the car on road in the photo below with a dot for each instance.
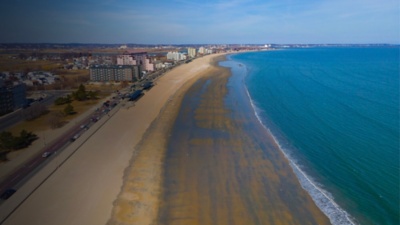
(147, 85)
(74, 137)
(46, 154)
(135, 95)
(7, 193)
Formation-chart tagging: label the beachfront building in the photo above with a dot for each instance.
(191, 52)
(147, 65)
(162, 65)
(141, 59)
(202, 50)
(101, 73)
(176, 56)
(126, 60)
(205, 51)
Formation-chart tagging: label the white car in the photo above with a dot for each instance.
(74, 137)
(46, 154)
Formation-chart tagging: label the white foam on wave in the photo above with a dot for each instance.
(322, 198)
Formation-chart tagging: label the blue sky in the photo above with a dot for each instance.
(200, 21)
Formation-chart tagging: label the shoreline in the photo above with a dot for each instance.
(220, 162)
(321, 197)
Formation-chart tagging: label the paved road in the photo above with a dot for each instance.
(17, 177)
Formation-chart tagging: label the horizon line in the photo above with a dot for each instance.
(160, 44)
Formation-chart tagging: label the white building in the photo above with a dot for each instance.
(205, 51)
(192, 52)
(176, 56)
(202, 50)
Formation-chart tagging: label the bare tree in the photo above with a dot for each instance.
(56, 119)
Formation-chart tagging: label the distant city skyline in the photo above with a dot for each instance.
(200, 22)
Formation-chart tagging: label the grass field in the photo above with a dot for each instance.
(42, 123)
(18, 65)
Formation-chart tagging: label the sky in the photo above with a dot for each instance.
(200, 21)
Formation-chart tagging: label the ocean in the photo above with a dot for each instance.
(335, 115)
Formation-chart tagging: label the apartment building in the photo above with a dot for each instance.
(115, 73)
(202, 50)
(176, 56)
(191, 52)
(144, 61)
(140, 58)
(205, 51)
(126, 60)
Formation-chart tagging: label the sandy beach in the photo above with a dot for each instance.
(84, 188)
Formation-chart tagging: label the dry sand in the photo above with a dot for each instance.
(84, 188)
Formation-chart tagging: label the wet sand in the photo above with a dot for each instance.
(222, 167)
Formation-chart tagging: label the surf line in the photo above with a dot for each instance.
(337, 215)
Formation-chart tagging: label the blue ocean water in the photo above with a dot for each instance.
(335, 114)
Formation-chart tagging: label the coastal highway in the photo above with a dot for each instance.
(20, 175)
(16, 178)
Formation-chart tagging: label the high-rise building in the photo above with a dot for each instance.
(140, 58)
(202, 50)
(146, 64)
(191, 52)
(176, 56)
(125, 60)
